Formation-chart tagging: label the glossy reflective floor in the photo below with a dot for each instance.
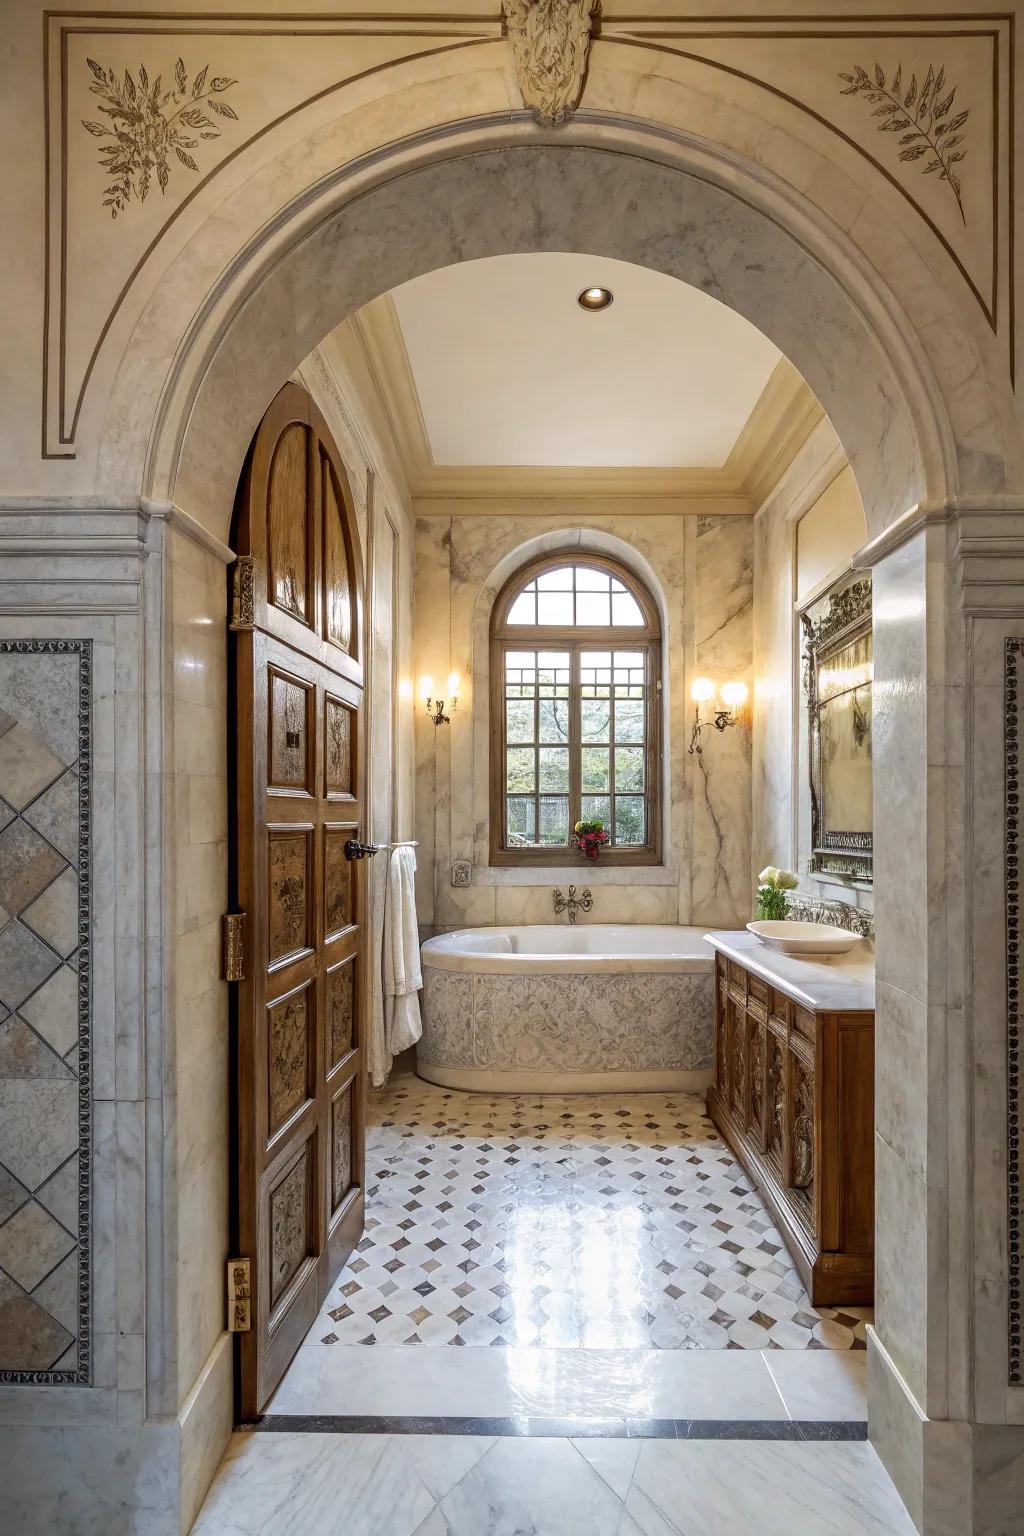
(410, 1485)
(603, 1223)
(650, 1365)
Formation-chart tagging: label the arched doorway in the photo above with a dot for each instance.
(845, 335)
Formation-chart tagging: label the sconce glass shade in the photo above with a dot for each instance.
(426, 688)
(734, 694)
(702, 689)
(453, 685)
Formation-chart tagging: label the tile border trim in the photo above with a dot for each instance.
(561, 1429)
(82, 1374)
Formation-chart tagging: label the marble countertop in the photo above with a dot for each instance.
(843, 984)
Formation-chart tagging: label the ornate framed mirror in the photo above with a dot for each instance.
(838, 672)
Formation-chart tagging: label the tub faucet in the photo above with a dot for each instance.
(572, 903)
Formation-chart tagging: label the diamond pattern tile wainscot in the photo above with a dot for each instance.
(45, 1000)
(595, 1221)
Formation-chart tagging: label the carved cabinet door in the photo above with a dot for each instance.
(298, 800)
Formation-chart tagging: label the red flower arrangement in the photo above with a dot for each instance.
(589, 837)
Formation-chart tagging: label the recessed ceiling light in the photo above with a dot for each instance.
(595, 298)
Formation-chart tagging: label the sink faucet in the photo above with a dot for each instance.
(572, 903)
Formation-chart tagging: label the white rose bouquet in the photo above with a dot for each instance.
(772, 885)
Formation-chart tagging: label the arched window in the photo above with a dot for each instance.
(575, 712)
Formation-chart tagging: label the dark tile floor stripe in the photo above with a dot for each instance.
(572, 1429)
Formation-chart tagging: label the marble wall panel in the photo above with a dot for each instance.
(194, 1090)
(720, 774)
(46, 1017)
(462, 559)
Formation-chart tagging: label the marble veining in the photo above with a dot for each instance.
(845, 983)
(438, 1485)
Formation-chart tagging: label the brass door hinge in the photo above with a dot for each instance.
(243, 593)
(233, 946)
(239, 1296)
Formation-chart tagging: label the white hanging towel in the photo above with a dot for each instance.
(402, 976)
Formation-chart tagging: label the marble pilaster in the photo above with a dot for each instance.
(946, 1413)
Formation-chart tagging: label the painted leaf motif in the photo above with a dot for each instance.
(920, 116)
(144, 127)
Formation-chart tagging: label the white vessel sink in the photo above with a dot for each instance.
(797, 938)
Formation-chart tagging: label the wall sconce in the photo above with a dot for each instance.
(722, 713)
(435, 707)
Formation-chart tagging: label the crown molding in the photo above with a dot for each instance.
(781, 421)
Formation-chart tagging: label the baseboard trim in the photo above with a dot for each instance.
(205, 1422)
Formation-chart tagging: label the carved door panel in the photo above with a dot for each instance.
(801, 1133)
(298, 777)
(757, 1049)
(722, 1036)
(737, 1058)
(775, 1091)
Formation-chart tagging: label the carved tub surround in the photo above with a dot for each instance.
(567, 1010)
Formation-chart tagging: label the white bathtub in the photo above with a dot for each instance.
(561, 1009)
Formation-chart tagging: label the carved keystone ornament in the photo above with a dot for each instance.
(550, 42)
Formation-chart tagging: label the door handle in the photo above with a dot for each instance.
(354, 849)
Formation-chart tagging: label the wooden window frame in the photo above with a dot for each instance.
(574, 639)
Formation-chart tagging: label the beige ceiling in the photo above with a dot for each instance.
(488, 382)
(509, 370)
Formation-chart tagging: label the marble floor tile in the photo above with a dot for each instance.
(543, 1487)
(821, 1384)
(614, 1460)
(334, 1485)
(759, 1488)
(286, 1484)
(595, 1222)
(443, 1460)
(532, 1383)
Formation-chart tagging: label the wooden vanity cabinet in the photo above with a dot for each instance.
(793, 1097)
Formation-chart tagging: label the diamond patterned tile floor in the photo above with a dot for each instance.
(593, 1222)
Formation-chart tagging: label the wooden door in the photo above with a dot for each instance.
(297, 618)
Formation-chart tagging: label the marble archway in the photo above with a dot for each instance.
(609, 194)
(928, 443)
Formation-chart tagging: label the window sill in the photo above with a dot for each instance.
(579, 873)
